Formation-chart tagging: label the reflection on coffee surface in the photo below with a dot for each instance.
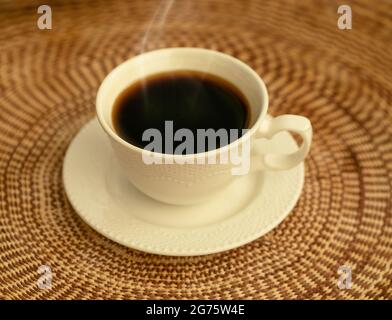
(189, 99)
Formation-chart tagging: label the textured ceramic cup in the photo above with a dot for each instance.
(182, 182)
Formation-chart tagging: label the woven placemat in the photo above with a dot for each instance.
(340, 79)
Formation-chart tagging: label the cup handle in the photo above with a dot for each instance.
(287, 122)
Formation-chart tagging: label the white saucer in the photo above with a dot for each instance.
(244, 211)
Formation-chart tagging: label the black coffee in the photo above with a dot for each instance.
(190, 99)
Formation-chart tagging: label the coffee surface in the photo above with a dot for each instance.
(189, 99)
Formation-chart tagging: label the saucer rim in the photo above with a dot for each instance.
(290, 204)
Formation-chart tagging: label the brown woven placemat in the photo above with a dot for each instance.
(340, 79)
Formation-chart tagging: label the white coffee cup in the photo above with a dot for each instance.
(181, 182)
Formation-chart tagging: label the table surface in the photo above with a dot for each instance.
(339, 79)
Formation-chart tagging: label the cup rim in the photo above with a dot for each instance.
(112, 76)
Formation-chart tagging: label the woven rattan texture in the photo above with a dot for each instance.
(340, 79)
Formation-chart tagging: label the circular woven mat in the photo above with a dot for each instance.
(340, 79)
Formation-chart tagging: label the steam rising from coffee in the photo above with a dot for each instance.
(155, 28)
(183, 110)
